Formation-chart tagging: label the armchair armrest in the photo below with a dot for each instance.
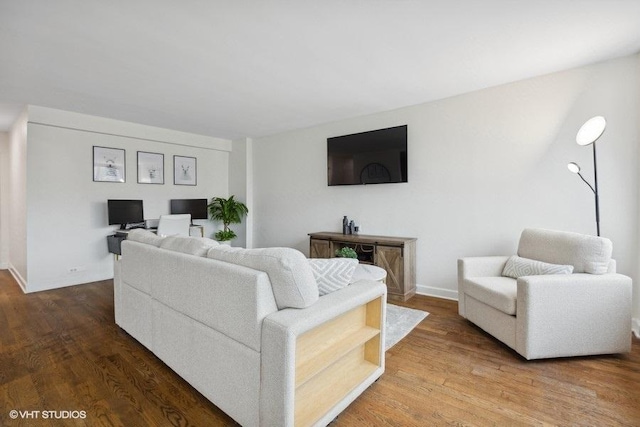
(363, 302)
(568, 315)
(486, 266)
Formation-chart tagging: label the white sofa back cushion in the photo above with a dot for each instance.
(292, 280)
(197, 246)
(144, 236)
(587, 254)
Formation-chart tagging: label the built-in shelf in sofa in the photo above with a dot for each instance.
(333, 358)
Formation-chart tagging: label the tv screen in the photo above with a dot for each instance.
(196, 207)
(374, 157)
(125, 212)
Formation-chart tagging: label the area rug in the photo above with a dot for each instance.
(400, 321)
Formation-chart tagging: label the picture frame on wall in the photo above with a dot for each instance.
(109, 164)
(150, 168)
(185, 170)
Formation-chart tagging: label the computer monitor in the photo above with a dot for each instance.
(125, 212)
(196, 207)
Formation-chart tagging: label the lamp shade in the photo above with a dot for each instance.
(573, 167)
(591, 130)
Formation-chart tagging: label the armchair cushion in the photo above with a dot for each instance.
(497, 292)
(518, 267)
(587, 254)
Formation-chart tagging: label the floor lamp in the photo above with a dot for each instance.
(589, 134)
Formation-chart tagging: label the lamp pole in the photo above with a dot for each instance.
(595, 191)
(589, 133)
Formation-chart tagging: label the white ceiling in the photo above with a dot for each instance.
(253, 68)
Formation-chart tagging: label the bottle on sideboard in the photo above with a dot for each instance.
(345, 225)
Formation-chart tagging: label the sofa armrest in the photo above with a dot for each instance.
(566, 315)
(281, 335)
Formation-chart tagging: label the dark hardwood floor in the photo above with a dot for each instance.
(61, 351)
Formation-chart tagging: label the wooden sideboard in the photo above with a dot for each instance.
(397, 255)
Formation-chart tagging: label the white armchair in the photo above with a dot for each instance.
(540, 313)
(174, 225)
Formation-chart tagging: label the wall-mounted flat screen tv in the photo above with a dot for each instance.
(374, 157)
(125, 212)
(196, 207)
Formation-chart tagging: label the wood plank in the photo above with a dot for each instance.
(331, 333)
(362, 238)
(323, 391)
(324, 359)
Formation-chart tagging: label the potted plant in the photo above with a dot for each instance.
(229, 211)
(346, 252)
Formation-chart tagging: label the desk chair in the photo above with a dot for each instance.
(174, 225)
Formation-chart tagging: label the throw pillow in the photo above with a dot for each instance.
(518, 267)
(332, 273)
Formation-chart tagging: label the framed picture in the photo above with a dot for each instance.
(108, 164)
(184, 170)
(150, 168)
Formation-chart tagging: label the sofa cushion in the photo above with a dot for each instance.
(188, 245)
(144, 236)
(292, 280)
(518, 267)
(587, 254)
(332, 273)
(497, 292)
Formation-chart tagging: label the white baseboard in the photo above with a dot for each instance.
(635, 327)
(437, 292)
(19, 278)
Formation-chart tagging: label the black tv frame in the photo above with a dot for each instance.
(372, 157)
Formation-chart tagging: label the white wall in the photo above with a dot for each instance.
(240, 183)
(66, 212)
(636, 294)
(4, 200)
(16, 217)
(482, 166)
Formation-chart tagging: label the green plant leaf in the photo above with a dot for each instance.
(228, 211)
(346, 252)
(223, 236)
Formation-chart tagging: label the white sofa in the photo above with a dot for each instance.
(524, 302)
(247, 328)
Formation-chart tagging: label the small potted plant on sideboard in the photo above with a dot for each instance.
(346, 252)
